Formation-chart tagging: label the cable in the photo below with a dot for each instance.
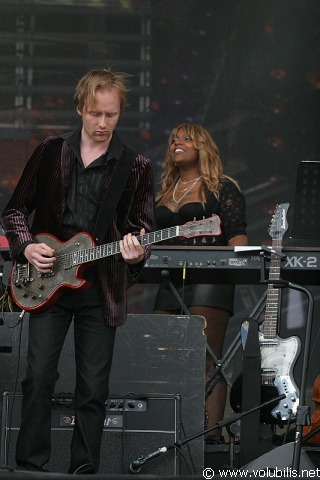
(193, 470)
(86, 468)
(127, 395)
(184, 274)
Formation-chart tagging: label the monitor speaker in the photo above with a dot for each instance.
(279, 461)
(135, 426)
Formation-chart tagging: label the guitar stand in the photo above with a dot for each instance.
(303, 411)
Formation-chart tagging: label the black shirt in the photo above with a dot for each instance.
(83, 200)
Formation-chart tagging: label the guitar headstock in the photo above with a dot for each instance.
(279, 224)
(208, 226)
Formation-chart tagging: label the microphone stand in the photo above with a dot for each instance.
(136, 465)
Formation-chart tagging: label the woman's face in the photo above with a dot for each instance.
(183, 150)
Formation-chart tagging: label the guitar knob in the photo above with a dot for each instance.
(292, 398)
(285, 405)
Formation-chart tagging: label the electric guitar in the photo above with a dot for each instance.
(278, 356)
(33, 291)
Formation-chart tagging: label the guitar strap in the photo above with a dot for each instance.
(112, 195)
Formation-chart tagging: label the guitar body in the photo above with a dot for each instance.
(278, 358)
(35, 292)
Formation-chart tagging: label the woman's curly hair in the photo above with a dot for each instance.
(210, 165)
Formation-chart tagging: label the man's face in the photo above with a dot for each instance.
(100, 115)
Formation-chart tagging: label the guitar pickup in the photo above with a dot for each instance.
(47, 275)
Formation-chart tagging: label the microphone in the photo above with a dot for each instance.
(136, 465)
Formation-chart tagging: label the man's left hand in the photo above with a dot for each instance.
(131, 250)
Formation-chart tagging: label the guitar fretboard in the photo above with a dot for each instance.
(101, 251)
(209, 226)
(272, 303)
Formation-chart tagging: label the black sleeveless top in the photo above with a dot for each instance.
(231, 209)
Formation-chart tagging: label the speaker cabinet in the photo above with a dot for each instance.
(135, 426)
(162, 354)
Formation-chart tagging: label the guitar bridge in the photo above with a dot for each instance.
(21, 275)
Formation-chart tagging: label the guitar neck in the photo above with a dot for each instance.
(102, 251)
(270, 328)
(209, 226)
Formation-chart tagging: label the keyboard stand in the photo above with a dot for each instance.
(166, 276)
(219, 368)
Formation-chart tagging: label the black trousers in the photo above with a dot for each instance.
(94, 343)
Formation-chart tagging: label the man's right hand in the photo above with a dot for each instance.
(41, 256)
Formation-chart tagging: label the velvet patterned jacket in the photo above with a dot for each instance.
(41, 195)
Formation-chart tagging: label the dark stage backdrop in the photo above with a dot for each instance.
(247, 70)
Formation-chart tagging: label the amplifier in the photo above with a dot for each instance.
(135, 426)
